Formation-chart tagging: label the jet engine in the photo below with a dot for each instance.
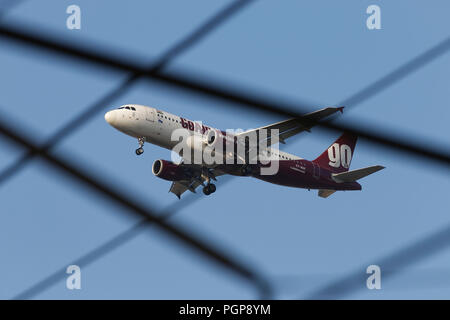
(214, 137)
(214, 140)
(168, 170)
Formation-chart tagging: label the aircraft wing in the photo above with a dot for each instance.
(291, 127)
(180, 187)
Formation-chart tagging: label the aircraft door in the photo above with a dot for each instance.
(316, 171)
(150, 114)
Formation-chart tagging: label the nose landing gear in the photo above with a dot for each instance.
(140, 150)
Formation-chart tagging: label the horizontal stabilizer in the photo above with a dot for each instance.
(325, 193)
(354, 175)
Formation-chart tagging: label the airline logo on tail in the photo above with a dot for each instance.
(339, 155)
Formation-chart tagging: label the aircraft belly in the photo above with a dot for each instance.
(291, 176)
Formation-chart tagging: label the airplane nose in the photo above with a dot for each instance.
(110, 117)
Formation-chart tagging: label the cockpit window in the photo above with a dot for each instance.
(128, 108)
(133, 108)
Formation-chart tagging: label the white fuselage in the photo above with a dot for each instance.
(156, 126)
(208, 153)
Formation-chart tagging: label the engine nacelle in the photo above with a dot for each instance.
(168, 170)
(214, 137)
(195, 142)
(211, 138)
(207, 149)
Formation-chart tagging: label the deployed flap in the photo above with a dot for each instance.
(325, 193)
(180, 187)
(354, 175)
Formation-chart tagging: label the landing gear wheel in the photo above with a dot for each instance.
(208, 189)
(139, 151)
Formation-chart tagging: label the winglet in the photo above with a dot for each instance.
(341, 109)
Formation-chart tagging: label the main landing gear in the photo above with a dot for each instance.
(140, 150)
(209, 188)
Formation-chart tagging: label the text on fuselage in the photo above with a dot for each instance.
(194, 126)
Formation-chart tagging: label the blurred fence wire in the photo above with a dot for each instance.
(214, 89)
(107, 247)
(236, 98)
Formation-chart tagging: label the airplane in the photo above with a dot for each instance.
(328, 173)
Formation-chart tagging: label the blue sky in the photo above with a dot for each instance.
(315, 51)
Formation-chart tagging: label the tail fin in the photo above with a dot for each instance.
(338, 156)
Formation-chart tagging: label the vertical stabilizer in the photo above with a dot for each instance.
(338, 156)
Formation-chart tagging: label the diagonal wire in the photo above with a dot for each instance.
(394, 77)
(210, 25)
(130, 234)
(193, 38)
(183, 45)
(192, 83)
(421, 249)
(83, 261)
(74, 172)
(390, 265)
(7, 5)
(398, 74)
(64, 131)
(106, 248)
